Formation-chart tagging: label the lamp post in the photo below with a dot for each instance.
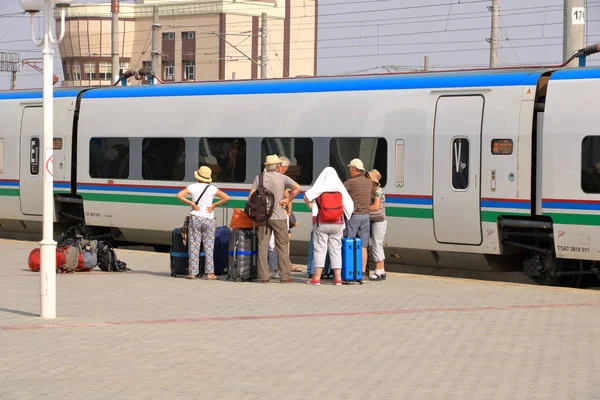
(47, 245)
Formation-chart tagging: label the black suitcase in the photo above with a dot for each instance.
(179, 255)
(243, 255)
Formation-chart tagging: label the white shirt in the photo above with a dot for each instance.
(206, 201)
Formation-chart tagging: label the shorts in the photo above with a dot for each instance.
(359, 225)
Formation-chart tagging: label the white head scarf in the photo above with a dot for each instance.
(328, 181)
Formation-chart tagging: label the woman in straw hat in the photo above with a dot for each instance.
(378, 226)
(202, 222)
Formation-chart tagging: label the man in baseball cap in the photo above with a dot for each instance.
(359, 187)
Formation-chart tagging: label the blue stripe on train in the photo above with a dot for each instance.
(330, 84)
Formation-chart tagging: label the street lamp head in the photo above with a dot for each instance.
(62, 3)
(31, 6)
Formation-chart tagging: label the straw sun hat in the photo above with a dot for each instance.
(203, 174)
(375, 176)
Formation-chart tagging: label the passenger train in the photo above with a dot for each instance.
(490, 170)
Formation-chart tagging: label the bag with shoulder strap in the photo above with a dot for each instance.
(331, 208)
(186, 221)
(107, 259)
(261, 204)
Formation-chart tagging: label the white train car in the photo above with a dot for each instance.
(485, 170)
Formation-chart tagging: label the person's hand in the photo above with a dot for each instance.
(283, 203)
(211, 208)
(195, 207)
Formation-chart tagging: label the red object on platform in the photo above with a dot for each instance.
(61, 261)
(34, 260)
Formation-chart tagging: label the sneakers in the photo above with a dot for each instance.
(377, 277)
(338, 283)
(275, 275)
(314, 282)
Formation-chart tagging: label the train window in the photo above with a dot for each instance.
(399, 162)
(163, 159)
(502, 147)
(109, 158)
(226, 157)
(590, 164)
(34, 153)
(1, 156)
(460, 164)
(300, 153)
(371, 151)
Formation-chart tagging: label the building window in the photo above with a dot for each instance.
(109, 158)
(123, 67)
(300, 153)
(76, 72)
(67, 71)
(163, 159)
(34, 153)
(168, 36)
(371, 151)
(105, 71)
(460, 164)
(168, 70)
(89, 71)
(590, 170)
(226, 157)
(147, 65)
(188, 35)
(189, 70)
(400, 162)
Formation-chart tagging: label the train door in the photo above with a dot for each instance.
(456, 170)
(30, 165)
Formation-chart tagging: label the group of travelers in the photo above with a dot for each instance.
(361, 198)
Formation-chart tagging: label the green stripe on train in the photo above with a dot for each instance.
(574, 219)
(9, 192)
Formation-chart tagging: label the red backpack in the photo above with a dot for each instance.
(331, 208)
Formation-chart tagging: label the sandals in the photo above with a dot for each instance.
(295, 269)
(211, 277)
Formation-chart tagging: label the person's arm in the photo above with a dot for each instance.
(295, 192)
(375, 205)
(182, 196)
(224, 199)
(253, 188)
(308, 202)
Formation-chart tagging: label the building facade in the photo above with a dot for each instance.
(197, 40)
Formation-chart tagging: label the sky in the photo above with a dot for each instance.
(374, 36)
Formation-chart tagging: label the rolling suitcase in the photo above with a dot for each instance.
(179, 255)
(221, 252)
(352, 260)
(243, 255)
(310, 267)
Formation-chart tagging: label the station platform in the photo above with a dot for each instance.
(146, 335)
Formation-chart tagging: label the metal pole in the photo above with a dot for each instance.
(13, 80)
(573, 28)
(48, 245)
(494, 34)
(426, 63)
(155, 27)
(115, 8)
(263, 46)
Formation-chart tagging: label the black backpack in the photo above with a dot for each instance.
(107, 259)
(261, 204)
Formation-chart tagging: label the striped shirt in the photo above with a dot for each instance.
(359, 188)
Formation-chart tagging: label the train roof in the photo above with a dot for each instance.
(342, 83)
